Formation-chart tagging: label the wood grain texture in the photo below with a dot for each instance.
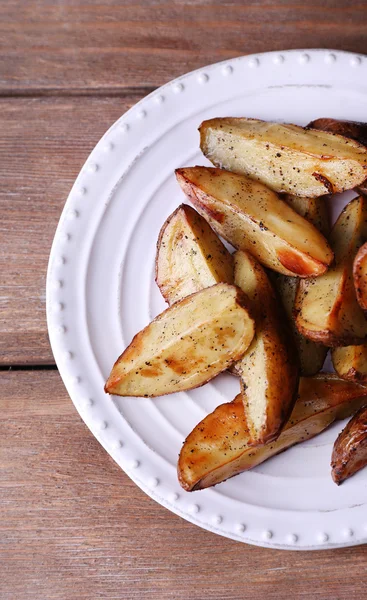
(73, 45)
(43, 145)
(72, 525)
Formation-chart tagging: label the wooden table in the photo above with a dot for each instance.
(72, 525)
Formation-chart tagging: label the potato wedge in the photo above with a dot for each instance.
(286, 158)
(186, 345)
(253, 218)
(314, 210)
(350, 362)
(190, 256)
(269, 368)
(350, 449)
(219, 447)
(360, 276)
(326, 307)
(349, 129)
(311, 355)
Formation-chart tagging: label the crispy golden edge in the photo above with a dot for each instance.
(293, 260)
(342, 399)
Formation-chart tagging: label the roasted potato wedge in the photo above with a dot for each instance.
(350, 449)
(360, 276)
(190, 256)
(219, 447)
(186, 345)
(253, 218)
(286, 158)
(326, 307)
(269, 368)
(349, 129)
(314, 210)
(350, 362)
(311, 355)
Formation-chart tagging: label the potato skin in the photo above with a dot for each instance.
(186, 345)
(190, 256)
(269, 369)
(254, 219)
(219, 446)
(350, 449)
(326, 308)
(350, 129)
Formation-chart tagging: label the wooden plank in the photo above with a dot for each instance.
(72, 525)
(43, 145)
(114, 45)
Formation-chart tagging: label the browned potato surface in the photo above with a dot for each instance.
(350, 362)
(350, 449)
(219, 447)
(253, 218)
(269, 368)
(190, 256)
(326, 307)
(186, 345)
(286, 158)
(360, 276)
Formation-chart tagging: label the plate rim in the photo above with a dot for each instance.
(265, 538)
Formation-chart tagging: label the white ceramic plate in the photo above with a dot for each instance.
(101, 291)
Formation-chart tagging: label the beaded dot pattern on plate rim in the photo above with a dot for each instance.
(68, 231)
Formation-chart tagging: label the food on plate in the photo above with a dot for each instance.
(349, 129)
(269, 368)
(253, 218)
(219, 446)
(350, 449)
(326, 307)
(286, 158)
(190, 256)
(314, 210)
(186, 345)
(311, 355)
(350, 362)
(360, 276)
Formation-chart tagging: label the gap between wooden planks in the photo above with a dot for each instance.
(72, 525)
(119, 44)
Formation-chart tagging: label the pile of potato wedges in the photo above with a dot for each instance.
(269, 312)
